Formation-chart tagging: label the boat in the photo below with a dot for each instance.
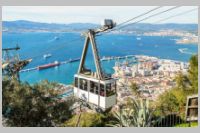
(56, 63)
(74, 60)
(103, 59)
(56, 38)
(107, 58)
(47, 56)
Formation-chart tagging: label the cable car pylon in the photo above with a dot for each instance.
(12, 65)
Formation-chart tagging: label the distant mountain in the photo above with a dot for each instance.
(29, 26)
(26, 26)
(143, 27)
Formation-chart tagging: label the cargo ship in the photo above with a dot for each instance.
(56, 63)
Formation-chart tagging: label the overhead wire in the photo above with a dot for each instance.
(143, 14)
(138, 16)
(142, 19)
(179, 14)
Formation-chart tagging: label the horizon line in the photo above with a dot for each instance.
(87, 22)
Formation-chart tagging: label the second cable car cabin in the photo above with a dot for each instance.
(97, 87)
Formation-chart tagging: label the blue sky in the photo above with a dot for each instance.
(93, 14)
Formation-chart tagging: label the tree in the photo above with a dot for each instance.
(37, 105)
(174, 100)
(193, 73)
(166, 104)
(181, 82)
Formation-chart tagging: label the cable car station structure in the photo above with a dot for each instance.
(96, 88)
(12, 65)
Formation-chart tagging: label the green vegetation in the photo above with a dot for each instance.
(134, 88)
(175, 99)
(136, 115)
(192, 124)
(37, 105)
(193, 74)
(40, 105)
(86, 120)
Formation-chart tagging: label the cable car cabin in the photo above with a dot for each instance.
(97, 87)
(98, 92)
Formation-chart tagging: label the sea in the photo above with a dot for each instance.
(66, 46)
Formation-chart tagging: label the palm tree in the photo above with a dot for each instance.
(137, 115)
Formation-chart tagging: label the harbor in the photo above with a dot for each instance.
(108, 58)
(56, 63)
(50, 65)
(153, 75)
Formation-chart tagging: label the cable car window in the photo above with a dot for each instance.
(110, 89)
(102, 90)
(108, 86)
(97, 91)
(83, 84)
(94, 87)
(91, 86)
